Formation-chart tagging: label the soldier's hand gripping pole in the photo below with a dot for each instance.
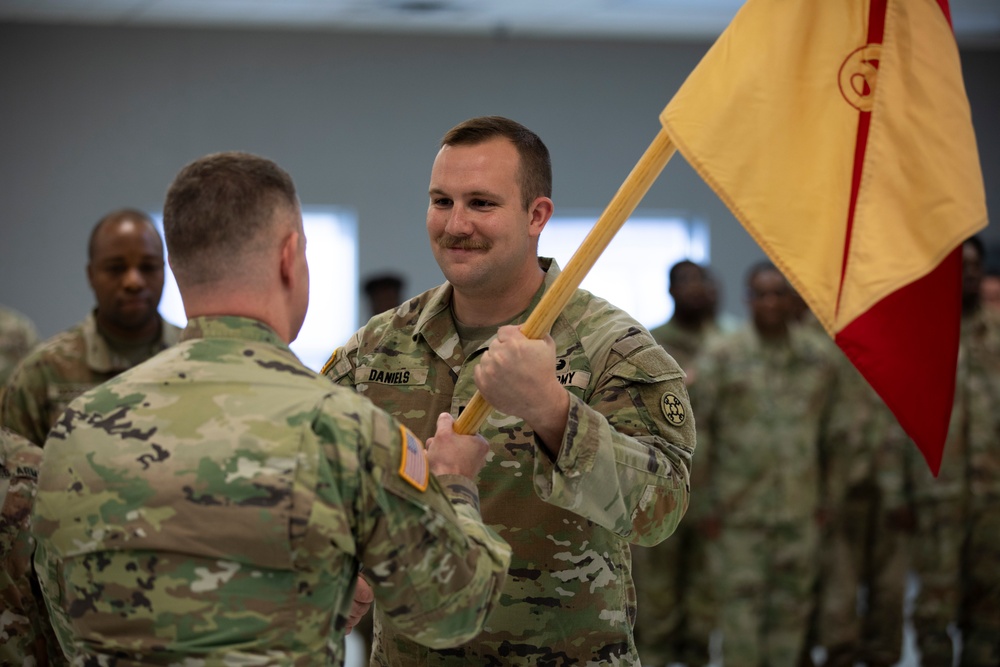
(553, 301)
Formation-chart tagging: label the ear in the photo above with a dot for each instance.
(289, 257)
(540, 211)
(90, 275)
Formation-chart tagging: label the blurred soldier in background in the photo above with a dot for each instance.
(26, 636)
(956, 547)
(125, 272)
(763, 396)
(17, 337)
(676, 613)
(384, 291)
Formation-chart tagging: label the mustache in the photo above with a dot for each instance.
(462, 243)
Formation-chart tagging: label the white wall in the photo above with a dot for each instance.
(94, 118)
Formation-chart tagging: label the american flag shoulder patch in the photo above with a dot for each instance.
(413, 467)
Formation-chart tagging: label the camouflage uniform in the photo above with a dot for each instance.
(26, 636)
(212, 507)
(64, 367)
(956, 547)
(762, 411)
(676, 609)
(621, 475)
(683, 344)
(17, 337)
(979, 617)
(866, 539)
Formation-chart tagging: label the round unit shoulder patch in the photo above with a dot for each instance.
(673, 409)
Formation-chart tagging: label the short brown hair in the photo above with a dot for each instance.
(535, 173)
(217, 208)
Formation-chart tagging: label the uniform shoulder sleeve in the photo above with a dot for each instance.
(625, 457)
(26, 625)
(435, 567)
(341, 364)
(24, 401)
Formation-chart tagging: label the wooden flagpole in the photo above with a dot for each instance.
(566, 283)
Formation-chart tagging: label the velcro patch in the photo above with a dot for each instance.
(413, 467)
(400, 376)
(329, 363)
(579, 379)
(673, 409)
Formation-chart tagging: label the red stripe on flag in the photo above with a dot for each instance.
(943, 4)
(876, 29)
(876, 21)
(900, 339)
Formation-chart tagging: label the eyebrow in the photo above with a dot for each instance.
(474, 193)
(120, 258)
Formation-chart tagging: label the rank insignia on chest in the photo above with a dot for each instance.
(673, 409)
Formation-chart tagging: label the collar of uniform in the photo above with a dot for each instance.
(231, 326)
(438, 305)
(439, 302)
(800, 343)
(100, 352)
(552, 271)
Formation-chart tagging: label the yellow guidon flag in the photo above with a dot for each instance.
(839, 134)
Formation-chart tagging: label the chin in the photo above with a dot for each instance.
(137, 322)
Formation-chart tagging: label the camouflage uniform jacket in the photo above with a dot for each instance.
(25, 633)
(62, 368)
(984, 410)
(970, 465)
(17, 337)
(212, 506)
(621, 475)
(763, 409)
(866, 448)
(683, 344)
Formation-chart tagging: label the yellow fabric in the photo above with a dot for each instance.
(922, 165)
(769, 118)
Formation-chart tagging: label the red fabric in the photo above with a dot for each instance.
(915, 328)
